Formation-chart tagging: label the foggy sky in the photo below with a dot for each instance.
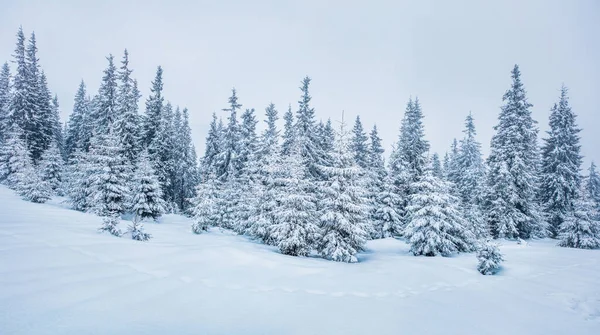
(365, 57)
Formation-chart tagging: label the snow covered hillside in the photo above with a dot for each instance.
(59, 276)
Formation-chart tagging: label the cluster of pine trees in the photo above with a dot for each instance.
(107, 159)
(318, 188)
(313, 187)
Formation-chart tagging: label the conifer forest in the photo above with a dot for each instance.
(310, 190)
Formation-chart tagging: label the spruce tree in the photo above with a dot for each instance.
(436, 165)
(387, 220)
(359, 144)
(269, 139)
(513, 160)
(489, 257)
(592, 185)
(77, 181)
(288, 132)
(126, 120)
(154, 107)
(213, 149)
(561, 165)
(470, 168)
(305, 133)
(108, 187)
(105, 113)
(292, 215)
(205, 208)
(78, 127)
(581, 229)
(22, 175)
(435, 223)
(342, 216)
(161, 151)
(376, 187)
(147, 202)
(187, 168)
(228, 163)
(51, 168)
(5, 96)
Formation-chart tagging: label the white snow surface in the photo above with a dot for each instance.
(58, 275)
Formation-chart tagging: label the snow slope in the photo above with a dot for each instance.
(59, 276)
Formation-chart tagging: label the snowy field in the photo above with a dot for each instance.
(59, 276)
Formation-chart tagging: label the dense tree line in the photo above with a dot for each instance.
(108, 158)
(314, 187)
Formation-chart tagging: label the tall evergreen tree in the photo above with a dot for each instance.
(108, 187)
(305, 134)
(561, 165)
(359, 144)
(592, 185)
(228, 165)
(469, 166)
(288, 132)
(513, 160)
(51, 168)
(161, 152)
(436, 165)
(213, 149)
(435, 223)
(154, 107)
(105, 113)
(342, 217)
(293, 214)
(581, 229)
(79, 125)
(147, 202)
(205, 208)
(5, 96)
(126, 121)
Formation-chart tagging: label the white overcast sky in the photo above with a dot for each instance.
(365, 57)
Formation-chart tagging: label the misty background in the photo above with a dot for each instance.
(365, 58)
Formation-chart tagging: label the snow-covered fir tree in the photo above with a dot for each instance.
(359, 144)
(436, 166)
(52, 167)
(5, 96)
(592, 185)
(305, 133)
(105, 111)
(77, 181)
(561, 165)
(470, 167)
(126, 121)
(161, 151)
(154, 107)
(489, 258)
(137, 231)
(292, 211)
(228, 165)
(581, 229)
(387, 220)
(213, 149)
(451, 171)
(376, 186)
(108, 187)
(343, 212)
(186, 173)
(78, 135)
(288, 131)
(513, 160)
(205, 208)
(435, 223)
(146, 199)
(19, 170)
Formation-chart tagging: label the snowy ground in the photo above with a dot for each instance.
(58, 276)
